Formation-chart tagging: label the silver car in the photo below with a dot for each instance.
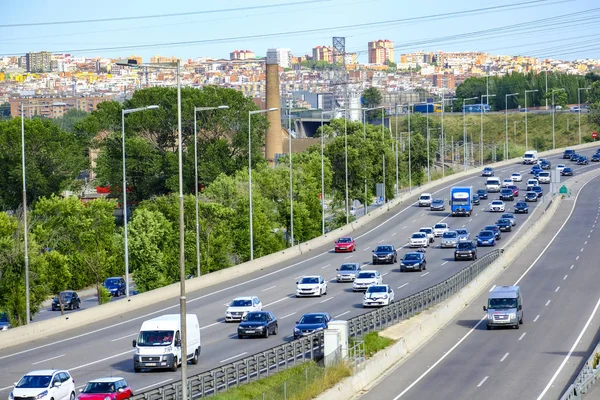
(347, 272)
(463, 234)
(511, 217)
(449, 239)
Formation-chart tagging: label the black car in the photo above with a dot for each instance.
(466, 250)
(258, 323)
(538, 190)
(69, 299)
(567, 171)
(531, 196)
(574, 157)
(437, 205)
(504, 225)
(595, 157)
(545, 164)
(583, 160)
(413, 260)
(522, 208)
(568, 153)
(507, 194)
(487, 171)
(495, 229)
(482, 193)
(311, 322)
(476, 200)
(385, 254)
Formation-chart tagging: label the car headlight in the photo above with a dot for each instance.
(168, 349)
(296, 330)
(260, 328)
(338, 276)
(512, 316)
(402, 264)
(385, 296)
(42, 395)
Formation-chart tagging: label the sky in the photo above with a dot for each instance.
(559, 29)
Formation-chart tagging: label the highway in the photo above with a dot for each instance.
(104, 348)
(558, 274)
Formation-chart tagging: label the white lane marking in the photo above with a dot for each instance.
(366, 248)
(124, 337)
(589, 236)
(414, 220)
(395, 233)
(504, 357)
(289, 315)
(536, 318)
(339, 315)
(581, 251)
(565, 278)
(347, 257)
(47, 359)
(557, 289)
(330, 298)
(404, 227)
(576, 258)
(548, 302)
(470, 219)
(276, 301)
(585, 242)
(227, 304)
(208, 326)
(463, 226)
(426, 273)
(564, 362)
(298, 277)
(269, 288)
(493, 287)
(385, 274)
(445, 262)
(154, 384)
(381, 241)
(325, 266)
(102, 360)
(477, 214)
(572, 266)
(6, 388)
(401, 286)
(482, 381)
(236, 356)
(523, 335)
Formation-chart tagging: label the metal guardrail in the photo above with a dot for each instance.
(273, 360)
(586, 378)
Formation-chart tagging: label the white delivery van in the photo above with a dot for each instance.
(530, 157)
(492, 184)
(505, 307)
(159, 343)
(425, 200)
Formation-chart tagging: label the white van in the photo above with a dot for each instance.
(159, 343)
(505, 307)
(492, 184)
(544, 177)
(530, 157)
(425, 200)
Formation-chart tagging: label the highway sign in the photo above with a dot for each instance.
(563, 190)
(595, 135)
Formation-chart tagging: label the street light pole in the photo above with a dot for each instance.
(553, 112)
(397, 176)
(409, 157)
(250, 114)
(506, 121)
(25, 227)
(487, 101)
(346, 165)
(526, 111)
(196, 110)
(465, 165)
(579, 109)
(291, 178)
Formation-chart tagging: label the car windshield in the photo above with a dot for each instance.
(418, 236)
(481, 191)
(440, 226)
(313, 319)
(516, 174)
(531, 194)
(462, 231)
(366, 275)
(497, 203)
(155, 338)
(377, 289)
(490, 227)
(464, 245)
(383, 249)
(521, 205)
(66, 296)
(241, 303)
(411, 256)
(256, 317)
(34, 381)
(348, 267)
(486, 234)
(99, 387)
(426, 230)
(438, 201)
(450, 234)
(507, 215)
(111, 282)
(309, 279)
(503, 222)
(344, 240)
(496, 304)
(425, 197)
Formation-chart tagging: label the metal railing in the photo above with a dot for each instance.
(273, 360)
(586, 378)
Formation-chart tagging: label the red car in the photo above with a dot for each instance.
(515, 190)
(106, 388)
(345, 244)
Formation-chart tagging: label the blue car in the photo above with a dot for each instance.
(311, 322)
(463, 234)
(413, 260)
(535, 168)
(486, 238)
(115, 285)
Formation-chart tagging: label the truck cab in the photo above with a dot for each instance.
(460, 200)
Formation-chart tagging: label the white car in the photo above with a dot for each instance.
(312, 285)
(44, 385)
(418, 239)
(516, 177)
(507, 182)
(531, 183)
(425, 200)
(497, 206)
(365, 279)
(378, 295)
(560, 167)
(240, 306)
(440, 228)
(429, 232)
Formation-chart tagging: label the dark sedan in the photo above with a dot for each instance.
(115, 285)
(310, 323)
(482, 193)
(531, 196)
(504, 225)
(522, 208)
(437, 205)
(414, 260)
(507, 194)
(258, 323)
(466, 250)
(476, 200)
(385, 254)
(567, 171)
(535, 168)
(495, 229)
(538, 190)
(595, 157)
(69, 299)
(583, 160)
(545, 164)
(487, 171)
(574, 157)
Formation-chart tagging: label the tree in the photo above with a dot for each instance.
(372, 98)
(70, 120)
(560, 97)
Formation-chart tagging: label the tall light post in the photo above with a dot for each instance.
(465, 165)
(553, 112)
(443, 149)
(579, 109)
(383, 151)
(289, 117)
(526, 111)
(487, 100)
(250, 114)
(364, 110)
(409, 157)
(506, 96)
(397, 175)
(323, 173)
(196, 110)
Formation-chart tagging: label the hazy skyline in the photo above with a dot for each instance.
(549, 28)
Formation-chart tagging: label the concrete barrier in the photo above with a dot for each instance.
(414, 332)
(38, 330)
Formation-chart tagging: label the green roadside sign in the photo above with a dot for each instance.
(563, 190)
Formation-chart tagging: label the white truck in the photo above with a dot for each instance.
(530, 157)
(158, 345)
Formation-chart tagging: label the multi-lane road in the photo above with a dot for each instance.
(558, 275)
(104, 348)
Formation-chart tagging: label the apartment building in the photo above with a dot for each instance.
(381, 51)
(242, 55)
(53, 107)
(38, 62)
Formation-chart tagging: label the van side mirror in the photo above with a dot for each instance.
(81, 390)
(120, 390)
(372, 251)
(484, 308)
(134, 343)
(520, 307)
(177, 343)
